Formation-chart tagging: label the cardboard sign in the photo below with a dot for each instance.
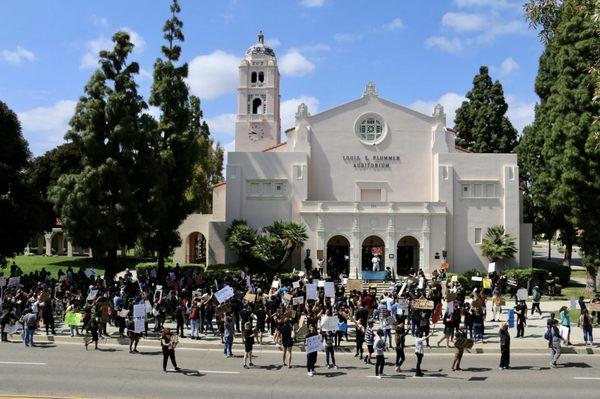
(250, 297)
(329, 289)
(297, 300)
(311, 291)
(296, 284)
(522, 294)
(287, 297)
(463, 343)
(139, 310)
(330, 324)
(224, 294)
(423, 304)
(451, 297)
(313, 344)
(354, 285)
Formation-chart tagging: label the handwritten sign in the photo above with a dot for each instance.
(296, 284)
(224, 294)
(423, 304)
(139, 310)
(354, 285)
(477, 278)
(329, 289)
(297, 300)
(275, 284)
(92, 295)
(331, 323)
(313, 344)
(72, 318)
(463, 343)
(139, 325)
(512, 282)
(249, 297)
(14, 281)
(321, 284)
(311, 291)
(287, 297)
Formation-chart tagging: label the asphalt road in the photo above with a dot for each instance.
(67, 370)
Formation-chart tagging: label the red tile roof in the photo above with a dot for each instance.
(274, 147)
(219, 184)
(463, 149)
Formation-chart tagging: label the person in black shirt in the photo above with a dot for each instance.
(287, 342)
(261, 316)
(521, 313)
(248, 338)
(504, 347)
(311, 358)
(401, 334)
(168, 345)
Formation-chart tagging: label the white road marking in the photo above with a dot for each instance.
(586, 378)
(217, 372)
(25, 363)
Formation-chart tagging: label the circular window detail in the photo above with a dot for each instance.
(371, 128)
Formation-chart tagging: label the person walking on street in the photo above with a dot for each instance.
(585, 322)
(329, 349)
(536, 296)
(168, 344)
(248, 338)
(380, 348)
(134, 338)
(555, 347)
(370, 341)
(94, 327)
(29, 321)
(287, 342)
(401, 334)
(458, 351)
(566, 322)
(504, 347)
(521, 313)
(228, 336)
(420, 351)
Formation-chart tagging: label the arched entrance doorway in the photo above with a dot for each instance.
(196, 248)
(338, 256)
(373, 246)
(407, 255)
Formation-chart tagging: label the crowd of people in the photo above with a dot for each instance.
(290, 311)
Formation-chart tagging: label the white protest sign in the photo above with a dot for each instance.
(92, 295)
(492, 267)
(476, 278)
(344, 280)
(140, 325)
(573, 303)
(313, 344)
(296, 284)
(275, 284)
(139, 310)
(321, 283)
(14, 281)
(224, 294)
(522, 294)
(329, 289)
(124, 312)
(11, 328)
(402, 309)
(298, 300)
(402, 289)
(311, 291)
(90, 272)
(147, 306)
(330, 324)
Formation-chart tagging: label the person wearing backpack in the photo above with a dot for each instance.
(536, 296)
(555, 344)
(29, 321)
(195, 321)
(585, 322)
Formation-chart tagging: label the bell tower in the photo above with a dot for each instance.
(258, 123)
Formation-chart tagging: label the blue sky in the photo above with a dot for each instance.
(418, 52)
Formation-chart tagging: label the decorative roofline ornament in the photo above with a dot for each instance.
(302, 112)
(370, 90)
(438, 112)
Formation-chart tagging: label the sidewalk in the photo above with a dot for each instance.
(533, 342)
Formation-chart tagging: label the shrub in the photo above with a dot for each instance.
(562, 273)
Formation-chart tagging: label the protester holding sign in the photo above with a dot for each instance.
(459, 350)
(420, 350)
(311, 357)
(134, 337)
(168, 344)
(400, 336)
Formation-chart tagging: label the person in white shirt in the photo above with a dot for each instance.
(380, 348)
(420, 350)
(375, 262)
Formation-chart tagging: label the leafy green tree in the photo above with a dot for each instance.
(497, 245)
(290, 235)
(241, 238)
(480, 122)
(209, 169)
(565, 123)
(99, 205)
(19, 211)
(43, 173)
(176, 149)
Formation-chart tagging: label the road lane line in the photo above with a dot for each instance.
(25, 363)
(586, 378)
(217, 372)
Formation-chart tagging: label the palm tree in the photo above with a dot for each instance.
(291, 236)
(241, 238)
(497, 245)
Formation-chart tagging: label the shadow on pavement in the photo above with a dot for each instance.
(579, 365)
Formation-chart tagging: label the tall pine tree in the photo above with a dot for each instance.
(480, 121)
(569, 178)
(19, 206)
(177, 149)
(99, 206)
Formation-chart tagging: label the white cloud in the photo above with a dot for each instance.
(464, 22)
(213, 75)
(450, 101)
(394, 25)
(521, 113)
(223, 124)
(312, 3)
(485, 3)
(273, 42)
(500, 28)
(15, 57)
(290, 106)
(45, 127)
(445, 44)
(293, 63)
(508, 66)
(100, 22)
(89, 59)
(347, 38)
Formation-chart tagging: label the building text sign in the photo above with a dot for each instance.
(371, 161)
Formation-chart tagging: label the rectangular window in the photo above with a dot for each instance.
(266, 188)
(490, 190)
(370, 194)
(478, 235)
(478, 190)
(466, 192)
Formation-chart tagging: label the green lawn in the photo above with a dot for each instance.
(578, 274)
(55, 263)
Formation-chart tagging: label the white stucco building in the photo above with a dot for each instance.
(366, 176)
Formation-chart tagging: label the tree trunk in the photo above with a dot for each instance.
(590, 281)
(568, 254)
(110, 264)
(550, 248)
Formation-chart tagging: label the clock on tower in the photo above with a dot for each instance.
(257, 132)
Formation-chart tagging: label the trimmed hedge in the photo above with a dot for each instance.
(562, 273)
